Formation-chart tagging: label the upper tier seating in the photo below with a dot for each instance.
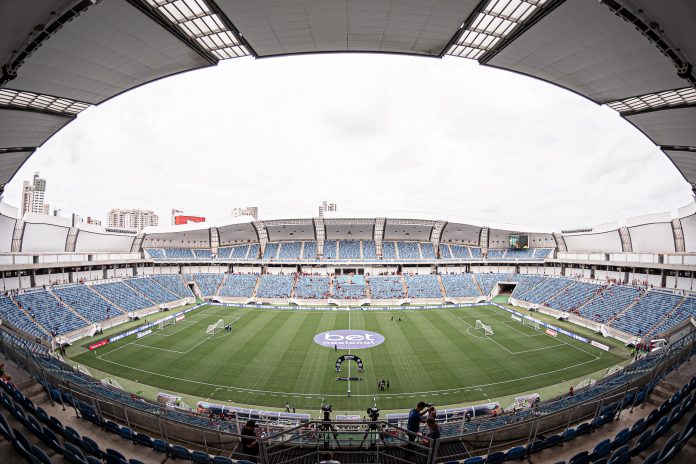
(423, 286)
(649, 310)
(224, 252)
(525, 254)
(386, 287)
(122, 295)
(545, 290)
(290, 250)
(609, 303)
(240, 251)
(312, 287)
(270, 251)
(254, 250)
(202, 254)
(155, 253)
(445, 252)
(475, 253)
(460, 285)
(310, 250)
(369, 249)
(525, 283)
(49, 312)
(574, 296)
(686, 310)
(207, 283)
(349, 287)
(349, 249)
(179, 253)
(408, 250)
(239, 285)
(11, 313)
(152, 289)
(275, 286)
(330, 249)
(542, 253)
(388, 250)
(427, 250)
(460, 252)
(496, 255)
(88, 303)
(173, 283)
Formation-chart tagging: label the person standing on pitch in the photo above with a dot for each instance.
(287, 407)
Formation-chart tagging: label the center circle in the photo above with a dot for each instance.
(349, 339)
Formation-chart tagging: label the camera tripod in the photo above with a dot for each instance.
(373, 428)
(326, 428)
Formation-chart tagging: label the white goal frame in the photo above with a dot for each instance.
(215, 328)
(530, 322)
(166, 323)
(487, 330)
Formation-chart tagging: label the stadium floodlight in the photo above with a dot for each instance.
(215, 328)
(30, 100)
(495, 22)
(653, 101)
(200, 23)
(487, 330)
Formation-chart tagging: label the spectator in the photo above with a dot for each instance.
(250, 444)
(328, 458)
(415, 417)
(433, 432)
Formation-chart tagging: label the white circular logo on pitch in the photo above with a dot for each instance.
(349, 339)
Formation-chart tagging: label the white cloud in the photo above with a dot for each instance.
(369, 132)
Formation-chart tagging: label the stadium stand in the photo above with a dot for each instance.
(254, 250)
(542, 253)
(152, 289)
(330, 249)
(496, 255)
(574, 296)
(310, 250)
(270, 251)
(609, 303)
(122, 295)
(202, 254)
(647, 312)
(173, 283)
(224, 252)
(349, 287)
(460, 285)
(525, 283)
(240, 252)
(369, 250)
(155, 253)
(408, 250)
(87, 302)
(49, 312)
(459, 251)
(525, 254)
(275, 286)
(386, 287)
(683, 312)
(179, 253)
(423, 286)
(11, 313)
(488, 281)
(312, 287)
(290, 250)
(475, 253)
(427, 250)
(545, 290)
(207, 283)
(349, 249)
(238, 285)
(445, 251)
(388, 250)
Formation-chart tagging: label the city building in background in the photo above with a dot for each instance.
(326, 206)
(181, 219)
(131, 219)
(252, 211)
(77, 220)
(34, 196)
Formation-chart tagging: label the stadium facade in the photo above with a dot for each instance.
(58, 58)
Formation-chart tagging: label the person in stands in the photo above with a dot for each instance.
(415, 417)
(250, 444)
(433, 432)
(328, 459)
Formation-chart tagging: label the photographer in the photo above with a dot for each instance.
(415, 417)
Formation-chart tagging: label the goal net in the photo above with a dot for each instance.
(531, 323)
(215, 328)
(486, 328)
(166, 323)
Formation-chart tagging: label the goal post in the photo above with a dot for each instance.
(530, 322)
(215, 328)
(486, 328)
(166, 323)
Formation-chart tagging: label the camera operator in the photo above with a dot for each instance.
(415, 417)
(250, 443)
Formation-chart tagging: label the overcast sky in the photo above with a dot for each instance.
(369, 132)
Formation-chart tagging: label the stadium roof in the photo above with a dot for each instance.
(58, 57)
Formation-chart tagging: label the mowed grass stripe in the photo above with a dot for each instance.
(310, 377)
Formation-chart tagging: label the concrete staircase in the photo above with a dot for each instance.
(403, 284)
(256, 287)
(625, 310)
(442, 286)
(29, 316)
(667, 316)
(478, 284)
(114, 305)
(62, 302)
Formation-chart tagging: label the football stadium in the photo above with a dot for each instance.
(346, 338)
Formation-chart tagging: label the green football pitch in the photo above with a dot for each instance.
(270, 357)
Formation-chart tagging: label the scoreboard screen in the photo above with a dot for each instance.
(519, 241)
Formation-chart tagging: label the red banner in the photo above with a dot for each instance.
(553, 333)
(180, 318)
(101, 343)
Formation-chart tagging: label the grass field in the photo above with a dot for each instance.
(270, 357)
